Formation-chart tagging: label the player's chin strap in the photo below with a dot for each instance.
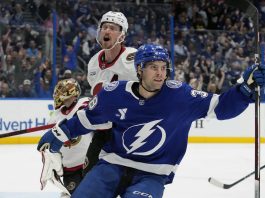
(141, 84)
(52, 169)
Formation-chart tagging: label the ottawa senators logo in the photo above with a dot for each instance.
(130, 56)
(71, 186)
(73, 142)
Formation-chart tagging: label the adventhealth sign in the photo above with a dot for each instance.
(21, 114)
(12, 125)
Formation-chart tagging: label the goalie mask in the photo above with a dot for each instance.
(149, 53)
(64, 90)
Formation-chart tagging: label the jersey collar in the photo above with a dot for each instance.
(101, 59)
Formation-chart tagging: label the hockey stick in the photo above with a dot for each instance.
(219, 184)
(30, 130)
(251, 11)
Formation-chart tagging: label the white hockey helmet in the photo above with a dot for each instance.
(117, 18)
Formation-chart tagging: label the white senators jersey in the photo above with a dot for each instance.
(121, 68)
(73, 156)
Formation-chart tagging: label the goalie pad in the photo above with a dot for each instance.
(52, 170)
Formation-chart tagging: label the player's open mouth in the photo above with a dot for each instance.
(106, 39)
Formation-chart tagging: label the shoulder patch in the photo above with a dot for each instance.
(195, 93)
(92, 73)
(92, 103)
(130, 56)
(111, 86)
(173, 84)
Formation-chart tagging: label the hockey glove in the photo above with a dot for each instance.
(54, 138)
(52, 170)
(49, 141)
(252, 76)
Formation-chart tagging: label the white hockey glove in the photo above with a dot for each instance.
(52, 170)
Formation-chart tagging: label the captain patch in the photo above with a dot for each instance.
(173, 83)
(111, 86)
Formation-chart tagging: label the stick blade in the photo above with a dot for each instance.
(219, 184)
(215, 182)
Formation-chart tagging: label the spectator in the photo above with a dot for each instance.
(215, 84)
(67, 74)
(31, 34)
(43, 83)
(5, 92)
(5, 16)
(9, 66)
(69, 54)
(26, 91)
(181, 50)
(48, 26)
(32, 51)
(84, 85)
(66, 26)
(17, 18)
(81, 8)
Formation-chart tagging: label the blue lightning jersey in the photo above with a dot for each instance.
(151, 135)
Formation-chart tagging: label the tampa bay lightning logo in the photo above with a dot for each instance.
(173, 84)
(144, 139)
(111, 86)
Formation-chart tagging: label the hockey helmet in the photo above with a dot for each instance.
(65, 89)
(115, 17)
(150, 52)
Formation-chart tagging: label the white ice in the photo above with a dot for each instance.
(20, 167)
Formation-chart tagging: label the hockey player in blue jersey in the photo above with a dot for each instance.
(150, 120)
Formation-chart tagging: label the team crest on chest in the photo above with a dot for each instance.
(111, 86)
(144, 139)
(173, 84)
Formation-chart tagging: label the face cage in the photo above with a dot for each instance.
(61, 96)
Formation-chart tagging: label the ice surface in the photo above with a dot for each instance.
(20, 167)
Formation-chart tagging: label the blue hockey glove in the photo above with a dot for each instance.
(54, 138)
(49, 141)
(252, 76)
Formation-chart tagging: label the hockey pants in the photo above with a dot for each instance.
(103, 180)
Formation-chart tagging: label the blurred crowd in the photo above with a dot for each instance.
(213, 43)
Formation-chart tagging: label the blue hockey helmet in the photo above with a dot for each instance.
(150, 52)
